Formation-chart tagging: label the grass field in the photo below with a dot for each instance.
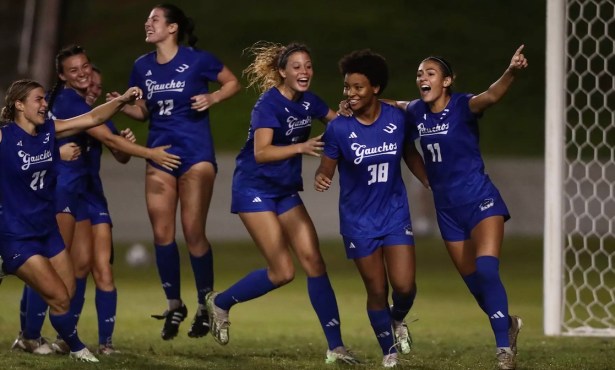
(280, 330)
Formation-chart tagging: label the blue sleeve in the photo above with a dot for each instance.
(332, 148)
(263, 116)
(210, 66)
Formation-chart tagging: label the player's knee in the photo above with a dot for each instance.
(487, 269)
(59, 303)
(282, 275)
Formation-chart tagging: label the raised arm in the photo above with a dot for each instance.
(96, 116)
(137, 111)
(498, 89)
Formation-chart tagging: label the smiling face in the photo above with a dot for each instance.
(95, 88)
(431, 81)
(156, 27)
(76, 71)
(359, 92)
(32, 109)
(297, 74)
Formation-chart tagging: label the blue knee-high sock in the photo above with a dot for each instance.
(324, 303)
(106, 306)
(494, 296)
(203, 269)
(251, 286)
(402, 303)
(35, 315)
(78, 300)
(474, 287)
(167, 260)
(381, 323)
(23, 306)
(65, 326)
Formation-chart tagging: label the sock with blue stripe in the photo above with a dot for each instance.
(65, 326)
(494, 296)
(36, 311)
(251, 286)
(203, 269)
(471, 281)
(324, 303)
(23, 306)
(78, 300)
(106, 307)
(381, 323)
(402, 303)
(167, 261)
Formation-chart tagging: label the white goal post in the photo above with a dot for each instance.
(579, 227)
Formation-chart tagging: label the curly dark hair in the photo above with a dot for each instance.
(370, 64)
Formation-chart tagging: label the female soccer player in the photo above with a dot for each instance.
(99, 239)
(470, 211)
(266, 186)
(67, 99)
(177, 103)
(367, 148)
(30, 243)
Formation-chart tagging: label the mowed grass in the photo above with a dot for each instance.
(280, 330)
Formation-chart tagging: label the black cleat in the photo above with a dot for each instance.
(200, 325)
(172, 320)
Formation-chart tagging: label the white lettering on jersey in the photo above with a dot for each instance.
(439, 129)
(34, 159)
(154, 87)
(306, 105)
(295, 123)
(362, 151)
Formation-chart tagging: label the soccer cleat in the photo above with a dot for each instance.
(513, 332)
(403, 339)
(83, 355)
(18, 343)
(60, 347)
(340, 355)
(39, 346)
(218, 320)
(107, 350)
(200, 325)
(506, 359)
(172, 320)
(390, 360)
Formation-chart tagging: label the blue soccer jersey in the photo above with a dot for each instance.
(291, 122)
(71, 174)
(168, 90)
(27, 181)
(449, 140)
(373, 199)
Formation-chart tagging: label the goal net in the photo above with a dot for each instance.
(579, 239)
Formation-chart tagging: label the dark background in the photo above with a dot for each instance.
(477, 37)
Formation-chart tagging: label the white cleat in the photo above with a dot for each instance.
(340, 355)
(513, 332)
(403, 339)
(506, 359)
(218, 320)
(390, 360)
(83, 355)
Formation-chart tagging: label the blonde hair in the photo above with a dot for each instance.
(269, 57)
(18, 91)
